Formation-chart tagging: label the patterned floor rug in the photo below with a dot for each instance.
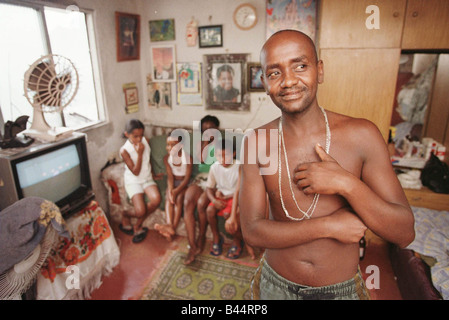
(207, 278)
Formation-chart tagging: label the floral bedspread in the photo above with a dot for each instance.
(432, 240)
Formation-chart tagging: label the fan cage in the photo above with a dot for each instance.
(51, 83)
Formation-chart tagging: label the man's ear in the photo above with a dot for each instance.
(320, 69)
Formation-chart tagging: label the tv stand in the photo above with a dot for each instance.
(76, 265)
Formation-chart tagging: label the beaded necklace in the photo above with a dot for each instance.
(306, 214)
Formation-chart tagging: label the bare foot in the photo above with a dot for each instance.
(191, 255)
(250, 251)
(201, 243)
(165, 230)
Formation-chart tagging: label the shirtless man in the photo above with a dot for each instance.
(356, 184)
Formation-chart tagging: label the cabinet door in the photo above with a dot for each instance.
(438, 109)
(343, 24)
(360, 83)
(426, 25)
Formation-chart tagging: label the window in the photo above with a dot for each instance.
(30, 31)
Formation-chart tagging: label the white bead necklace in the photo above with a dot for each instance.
(306, 214)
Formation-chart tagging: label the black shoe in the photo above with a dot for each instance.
(129, 232)
(139, 237)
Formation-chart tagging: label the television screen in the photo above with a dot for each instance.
(52, 175)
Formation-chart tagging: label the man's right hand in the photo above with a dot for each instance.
(345, 226)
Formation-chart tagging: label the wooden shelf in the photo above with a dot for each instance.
(428, 199)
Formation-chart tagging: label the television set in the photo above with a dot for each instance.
(56, 171)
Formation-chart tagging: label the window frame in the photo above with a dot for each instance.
(93, 50)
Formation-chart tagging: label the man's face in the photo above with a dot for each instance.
(291, 72)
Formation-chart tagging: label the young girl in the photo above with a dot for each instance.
(196, 197)
(138, 180)
(178, 165)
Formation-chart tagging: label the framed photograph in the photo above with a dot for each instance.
(163, 63)
(226, 82)
(159, 94)
(127, 28)
(131, 97)
(162, 30)
(188, 84)
(254, 71)
(210, 36)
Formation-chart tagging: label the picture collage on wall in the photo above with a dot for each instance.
(220, 81)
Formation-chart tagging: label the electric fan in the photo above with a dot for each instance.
(50, 84)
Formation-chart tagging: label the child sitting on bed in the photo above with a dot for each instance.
(178, 165)
(222, 189)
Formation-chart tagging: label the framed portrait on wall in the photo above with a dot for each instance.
(127, 27)
(226, 82)
(163, 63)
(254, 71)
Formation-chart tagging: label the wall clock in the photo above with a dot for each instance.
(245, 16)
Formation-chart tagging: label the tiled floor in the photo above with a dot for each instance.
(138, 261)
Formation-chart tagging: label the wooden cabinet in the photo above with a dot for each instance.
(343, 24)
(426, 25)
(361, 64)
(360, 83)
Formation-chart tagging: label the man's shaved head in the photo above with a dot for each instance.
(288, 34)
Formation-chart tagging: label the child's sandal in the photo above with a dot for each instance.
(217, 248)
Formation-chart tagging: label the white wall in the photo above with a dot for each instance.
(105, 141)
(210, 12)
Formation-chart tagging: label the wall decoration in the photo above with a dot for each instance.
(293, 14)
(210, 36)
(254, 71)
(189, 90)
(163, 63)
(226, 83)
(159, 94)
(192, 33)
(131, 97)
(245, 16)
(162, 30)
(127, 27)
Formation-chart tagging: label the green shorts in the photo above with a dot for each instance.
(269, 285)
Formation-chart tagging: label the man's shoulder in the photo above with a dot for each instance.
(358, 132)
(354, 125)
